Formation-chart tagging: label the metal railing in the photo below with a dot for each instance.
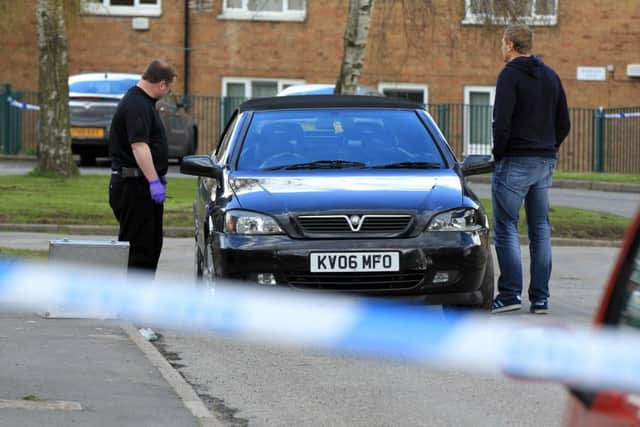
(601, 140)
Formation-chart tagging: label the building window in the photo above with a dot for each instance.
(264, 10)
(531, 12)
(478, 118)
(411, 91)
(123, 7)
(235, 90)
(242, 87)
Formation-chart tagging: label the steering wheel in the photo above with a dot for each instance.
(281, 159)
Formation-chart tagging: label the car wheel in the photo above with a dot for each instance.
(487, 288)
(198, 267)
(87, 160)
(209, 271)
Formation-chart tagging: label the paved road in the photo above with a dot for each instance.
(625, 204)
(269, 385)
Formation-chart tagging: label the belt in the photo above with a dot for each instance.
(128, 172)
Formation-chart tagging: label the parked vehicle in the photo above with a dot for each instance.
(350, 194)
(619, 308)
(323, 89)
(93, 98)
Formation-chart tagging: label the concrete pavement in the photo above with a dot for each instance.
(78, 371)
(61, 372)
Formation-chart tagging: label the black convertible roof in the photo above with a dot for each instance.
(326, 101)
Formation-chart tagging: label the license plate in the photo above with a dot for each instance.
(87, 132)
(345, 262)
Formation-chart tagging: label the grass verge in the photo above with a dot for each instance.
(23, 253)
(618, 178)
(83, 200)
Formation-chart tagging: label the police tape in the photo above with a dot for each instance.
(621, 115)
(603, 358)
(22, 105)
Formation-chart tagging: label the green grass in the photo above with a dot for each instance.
(80, 200)
(84, 200)
(602, 177)
(23, 253)
(577, 223)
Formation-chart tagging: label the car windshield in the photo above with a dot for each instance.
(338, 139)
(103, 87)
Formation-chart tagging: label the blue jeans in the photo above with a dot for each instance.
(518, 179)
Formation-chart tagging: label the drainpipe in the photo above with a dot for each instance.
(186, 55)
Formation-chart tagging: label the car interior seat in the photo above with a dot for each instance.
(280, 139)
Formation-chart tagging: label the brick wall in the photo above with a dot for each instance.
(438, 50)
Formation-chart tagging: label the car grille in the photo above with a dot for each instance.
(313, 225)
(355, 282)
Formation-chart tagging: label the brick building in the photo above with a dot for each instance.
(248, 48)
(235, 50)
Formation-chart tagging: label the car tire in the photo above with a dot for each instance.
(198, 266)
(487, 288)
(209, 266)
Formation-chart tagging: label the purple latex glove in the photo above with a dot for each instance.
(163, 180)
(158, 193)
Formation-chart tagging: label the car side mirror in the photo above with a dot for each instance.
(200, 165)
(476, 164)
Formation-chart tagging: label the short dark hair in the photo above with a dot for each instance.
(521, 37)
(159, 71)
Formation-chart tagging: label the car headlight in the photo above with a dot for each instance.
(246, 222)
(467, 219)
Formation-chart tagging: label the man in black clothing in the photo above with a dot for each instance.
(530, 121)
(139, 163)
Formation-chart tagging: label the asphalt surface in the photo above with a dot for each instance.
(59, 365)
(62, 372)
(613, 202)
(262, 384)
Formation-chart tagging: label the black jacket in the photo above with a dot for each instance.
(530, 114)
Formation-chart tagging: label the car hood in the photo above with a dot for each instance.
(284, 192)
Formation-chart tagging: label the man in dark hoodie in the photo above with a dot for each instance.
(530, 121)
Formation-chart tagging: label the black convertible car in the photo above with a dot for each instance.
(356, 194)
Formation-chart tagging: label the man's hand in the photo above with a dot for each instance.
(158, 193)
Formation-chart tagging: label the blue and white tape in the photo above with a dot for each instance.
(621, 115)
(592, 358)
(23, 106)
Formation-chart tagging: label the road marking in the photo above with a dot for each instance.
(45, 405)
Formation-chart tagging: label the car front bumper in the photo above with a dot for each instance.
(443, 267)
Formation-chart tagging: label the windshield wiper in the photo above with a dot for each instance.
(409, 165)
(320, 164)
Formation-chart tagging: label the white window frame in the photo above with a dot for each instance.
(531, 19)
(248, 80)
(104, 8)
(244, 14)
(409, 86)
(491, 90)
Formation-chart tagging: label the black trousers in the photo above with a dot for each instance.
(140, 220)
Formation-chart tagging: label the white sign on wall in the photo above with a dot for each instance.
(591, 73)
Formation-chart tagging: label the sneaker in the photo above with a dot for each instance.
(539, 307)
(500, 305)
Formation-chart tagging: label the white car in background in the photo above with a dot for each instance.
(324, 89)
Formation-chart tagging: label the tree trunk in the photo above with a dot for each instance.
(54, 154)
(355, 43)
